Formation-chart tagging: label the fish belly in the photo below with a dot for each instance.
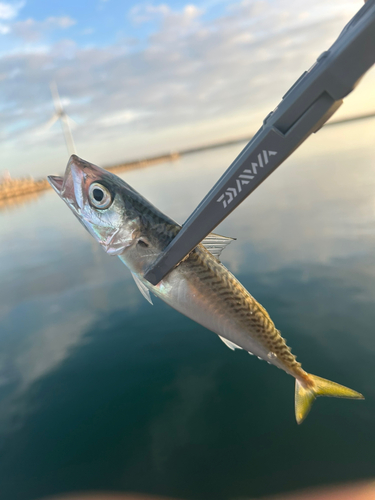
(205, 291)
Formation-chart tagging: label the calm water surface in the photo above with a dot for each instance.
(101, 391)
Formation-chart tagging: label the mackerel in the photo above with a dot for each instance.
(125, 224)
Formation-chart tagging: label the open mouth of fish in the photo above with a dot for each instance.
(69, 186)
(56, 182)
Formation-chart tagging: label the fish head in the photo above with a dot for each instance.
(120, 219)
(101, 201)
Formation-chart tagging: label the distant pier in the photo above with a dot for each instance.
(131, 165)
(12, 190)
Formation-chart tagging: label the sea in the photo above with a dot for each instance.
(102, 392)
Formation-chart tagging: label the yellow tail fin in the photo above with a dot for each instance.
(305, 396)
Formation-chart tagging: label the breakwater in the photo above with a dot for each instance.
(15, 189)
(120, 167)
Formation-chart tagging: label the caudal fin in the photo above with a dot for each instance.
(305, 395)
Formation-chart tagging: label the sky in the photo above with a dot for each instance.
(144, 78)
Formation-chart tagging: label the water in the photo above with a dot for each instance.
(101, 391)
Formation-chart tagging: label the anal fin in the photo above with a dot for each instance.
(230, 344)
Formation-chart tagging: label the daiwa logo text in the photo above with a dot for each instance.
(245, 177)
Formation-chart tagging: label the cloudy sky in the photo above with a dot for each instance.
(145, 78)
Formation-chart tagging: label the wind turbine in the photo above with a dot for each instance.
(61, 115)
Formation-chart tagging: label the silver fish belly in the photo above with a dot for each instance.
(204, 290)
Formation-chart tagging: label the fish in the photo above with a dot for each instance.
(126, 225)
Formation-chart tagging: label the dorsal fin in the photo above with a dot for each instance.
(142, 288)
(230, 344)
(215, 243)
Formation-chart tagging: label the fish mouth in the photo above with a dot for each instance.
(69, 187)
(56, 182)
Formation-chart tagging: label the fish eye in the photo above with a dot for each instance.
(99, 196)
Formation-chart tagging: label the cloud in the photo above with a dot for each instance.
(10, 11)
(31, 30)
(119, 118)
(144, 13)
(4, 29)
(194, 73)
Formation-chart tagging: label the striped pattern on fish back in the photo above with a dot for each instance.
(238, 303)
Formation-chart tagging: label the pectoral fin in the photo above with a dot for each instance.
(142, 288)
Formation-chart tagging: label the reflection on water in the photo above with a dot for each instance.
(101, 391)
